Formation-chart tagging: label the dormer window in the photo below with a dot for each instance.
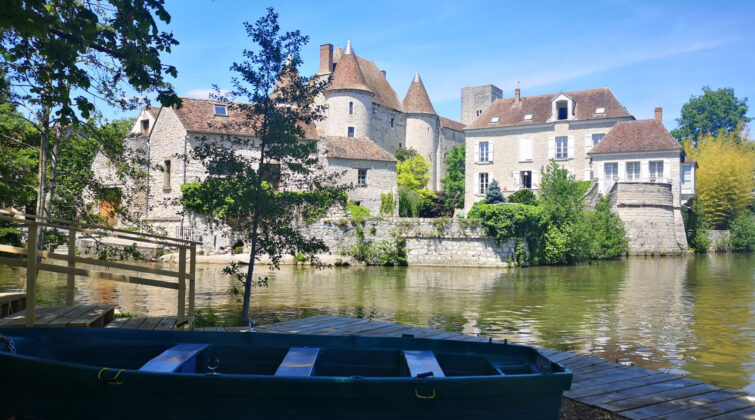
(221, 111)
(494, 120)
(563, 110)
(600, 110)
(528, 117)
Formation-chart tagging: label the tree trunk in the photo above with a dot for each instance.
(44, 145)
(250, 273)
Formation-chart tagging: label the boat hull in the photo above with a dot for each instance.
(89, 382)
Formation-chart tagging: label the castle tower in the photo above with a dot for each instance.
(476, 99)
(349, 99)
(423, 128)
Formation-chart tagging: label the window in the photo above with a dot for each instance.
(399, 145)
(484, 152)
(600, 110)
(656, 171)
(391, 122)
(362, 177)
(166, 175)
(351, 108)
(528, 117)
(633, 171)
(562, 147)
(596, 138)
(221, 111)
(483, 183)
(494, 120)
(350, 132)
(145, 126)
(272, 175)
(478, 112)
(526, 181)
(611, 171)
(562, 107)
(687, 176)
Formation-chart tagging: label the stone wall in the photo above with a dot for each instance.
(381, 179)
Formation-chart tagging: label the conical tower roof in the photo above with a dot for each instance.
(348, 75)
(416, 100)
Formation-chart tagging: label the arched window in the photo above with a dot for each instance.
(351, 108)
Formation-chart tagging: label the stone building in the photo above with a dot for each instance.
(362, 104)
(512, 140)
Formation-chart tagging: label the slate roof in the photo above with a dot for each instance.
(348, 74)
(384, 94)
(636, 136)
(585, 104)
(354, 148)
(417, 100)
(198, 115)
(453, 125)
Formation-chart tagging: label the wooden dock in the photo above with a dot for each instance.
(600, 390)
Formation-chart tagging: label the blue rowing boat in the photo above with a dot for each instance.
(113, 374)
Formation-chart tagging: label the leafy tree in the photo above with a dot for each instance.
(242, 186)
(696, 227)
(60, 54)
(413, 173)
(743, 232)
(403, 154)
(711, 113)
(453, 183)
(410, 202)
(523, 196)
(560, 195)
(607, 233)
(493, 195)
(724, 176)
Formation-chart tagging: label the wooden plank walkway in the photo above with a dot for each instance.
(63, 316)
(600, 389)
(11, 302)
(151, 323)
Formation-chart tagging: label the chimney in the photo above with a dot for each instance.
(659, 114)
(383, 71)
(517, 97)
(326, 58)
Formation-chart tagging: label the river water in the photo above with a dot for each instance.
(691, 315)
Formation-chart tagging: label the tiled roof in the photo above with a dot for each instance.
(198, 115)
(348, 74)
(417, 100)
(353, 148)
(636, 136)
(384, 93)
(153, 111)
(453, 125)
(585, 104)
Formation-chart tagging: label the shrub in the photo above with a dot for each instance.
(523, 196)
(696, 227)
(410, 202)
(493, 195)
(356, 211)
(743, 232)
(387, 204)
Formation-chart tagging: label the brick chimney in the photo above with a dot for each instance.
(383, 71)
(517, 97)
(659, 114)
(326, 58)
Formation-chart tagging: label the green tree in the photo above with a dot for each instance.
(523, 196)
(493, 194)
(413, 173)
(711, 113)
(453, 183)
(241, 188)
(59, 54)
(743, 232)
(403, 154)
(560, 195)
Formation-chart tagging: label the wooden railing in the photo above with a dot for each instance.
(34, 260)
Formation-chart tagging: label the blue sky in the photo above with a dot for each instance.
(650, 53)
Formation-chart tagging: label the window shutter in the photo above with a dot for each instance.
(476, 183)
(515, 176)
(522, 152)
(477, 153)
(490, 151)
(588, 143)
(571, 171)
(666, 170)
(535, 180)
(588, 174)
(571, 147)
(644, 171)
(622, 171)
(551, 148)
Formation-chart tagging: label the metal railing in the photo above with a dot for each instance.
(33, 259)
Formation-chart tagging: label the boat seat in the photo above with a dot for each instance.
(299, 361)
(179, 358)
(422, 363)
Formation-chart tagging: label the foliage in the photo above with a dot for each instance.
(413, 173)
(493, 195)
(356, 211)
(743, 232)
(436, 205)
(382, 252)
(387, 204)
(560, 195)
(505, 222)
(243, 188)
(607, 234)
(403, 154)
(453, 183)
(696, 227)
(724, 177)
(713, 112)
(410, 202)
(523, 196)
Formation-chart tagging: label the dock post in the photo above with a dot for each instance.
(181, 317)
(31, 273)
(192, 279)
(71, 266)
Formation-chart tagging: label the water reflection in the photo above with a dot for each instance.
(690, 314)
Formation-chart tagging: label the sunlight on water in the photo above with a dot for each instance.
(692, 315)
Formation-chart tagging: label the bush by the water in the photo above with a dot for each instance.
(382, 252)
(742, 230)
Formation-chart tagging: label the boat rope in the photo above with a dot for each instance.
(112, 381)
(8, 346)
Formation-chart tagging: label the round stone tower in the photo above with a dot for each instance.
(423, 128)
(349, 99)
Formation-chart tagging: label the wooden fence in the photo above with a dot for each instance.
(34, 260)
